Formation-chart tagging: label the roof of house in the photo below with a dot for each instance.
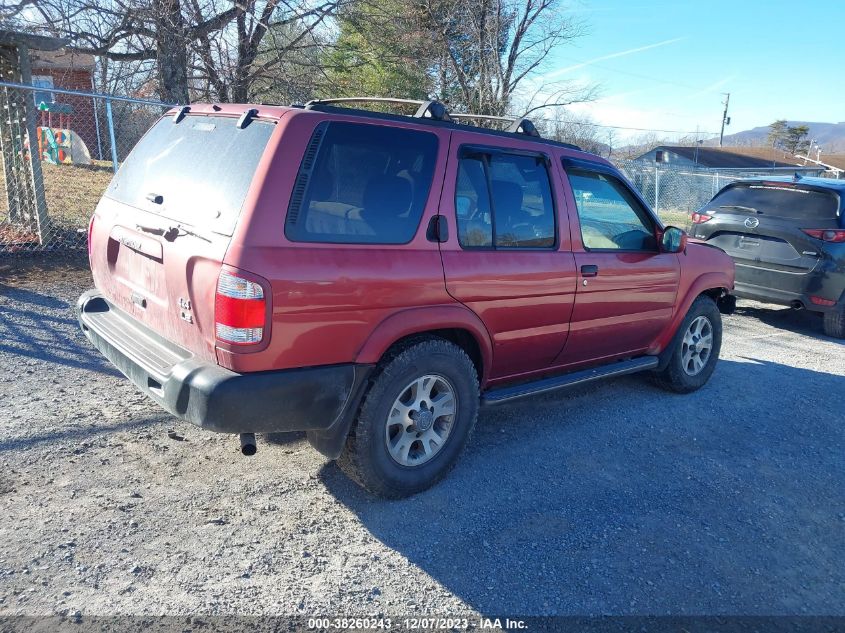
(715, 158)
(30, 40)
(61, 59)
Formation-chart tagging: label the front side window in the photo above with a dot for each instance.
(610, 216)
(504, 201)
(362, 184)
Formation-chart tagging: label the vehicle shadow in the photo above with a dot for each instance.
(42, 327)
(803, 322)
(15, 444)
(283, 439)
(623, 499)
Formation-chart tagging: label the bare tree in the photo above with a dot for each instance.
(133, 31)
(264, 37)
(490, 47)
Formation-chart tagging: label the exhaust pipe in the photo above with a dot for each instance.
(797, 305)
(248, 446)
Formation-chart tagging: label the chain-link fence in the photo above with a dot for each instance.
(59, 149)
(675, 192)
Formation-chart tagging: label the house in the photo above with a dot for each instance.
(721, 160)
(67, 70)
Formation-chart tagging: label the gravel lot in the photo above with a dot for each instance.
(615, 499)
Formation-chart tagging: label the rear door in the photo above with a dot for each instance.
(508, 257)
(759, 224)
(162, 228)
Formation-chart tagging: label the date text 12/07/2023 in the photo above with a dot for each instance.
(415, 623)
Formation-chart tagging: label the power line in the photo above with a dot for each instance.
(623, 127)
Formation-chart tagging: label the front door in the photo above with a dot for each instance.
(507, 257)
(626, 287)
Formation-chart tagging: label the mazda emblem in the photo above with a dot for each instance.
(752, 223)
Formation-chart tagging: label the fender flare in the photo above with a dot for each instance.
(707, 281)
(419, 320)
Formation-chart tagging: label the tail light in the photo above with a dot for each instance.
(700, 218)
(240, 310)
(821, 301)
(827, 235)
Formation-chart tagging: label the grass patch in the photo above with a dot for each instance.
(674, 217)
(72, 192)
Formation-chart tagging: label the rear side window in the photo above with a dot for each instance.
(782, 202)
(199, 169)
(504, 201)
(361, 184)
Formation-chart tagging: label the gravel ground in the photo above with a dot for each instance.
(616, 499)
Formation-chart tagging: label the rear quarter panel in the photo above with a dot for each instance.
(328, 299)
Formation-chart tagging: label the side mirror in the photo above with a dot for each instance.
(673, 240)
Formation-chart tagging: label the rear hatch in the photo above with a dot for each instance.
(761, 224)
(161, 230)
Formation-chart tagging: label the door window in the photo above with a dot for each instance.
(611, 218)
(504, 201)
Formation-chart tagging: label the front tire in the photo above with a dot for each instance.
(696, 349)
(415, 420)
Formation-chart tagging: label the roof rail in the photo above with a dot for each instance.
(425, 109)
(518, 125)
(436, 111)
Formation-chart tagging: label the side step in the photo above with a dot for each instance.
(544, 385)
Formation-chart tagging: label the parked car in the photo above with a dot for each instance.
(787, 238)
(373, 278)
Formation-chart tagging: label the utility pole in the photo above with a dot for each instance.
(726, 120)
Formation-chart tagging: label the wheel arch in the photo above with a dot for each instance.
(453, 323)
(713, 285)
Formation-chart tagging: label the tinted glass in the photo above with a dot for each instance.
(201, 167)
(522, 201)
(521, 214)
(610, 216)
(472, 204)
(369, 184)
(782, 202)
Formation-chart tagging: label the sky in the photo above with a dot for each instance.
(664, 65)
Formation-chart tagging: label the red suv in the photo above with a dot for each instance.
(372, 278)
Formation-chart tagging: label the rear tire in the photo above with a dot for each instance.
(834, 322)
(696, 349)
(415, 420)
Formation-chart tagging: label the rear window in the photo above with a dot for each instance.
(361, 184)
(200, 167)
(782, 202)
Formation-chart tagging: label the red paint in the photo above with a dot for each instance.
(527, 310)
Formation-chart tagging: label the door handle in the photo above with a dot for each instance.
(589, 270)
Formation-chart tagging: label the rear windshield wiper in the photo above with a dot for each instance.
(738, 206)
(171, 232)
(185, 231)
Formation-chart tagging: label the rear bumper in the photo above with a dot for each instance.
(788, 288)
(319, 399)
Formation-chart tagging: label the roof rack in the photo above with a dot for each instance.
(425, 109)
(435, 110)
(518, 125)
